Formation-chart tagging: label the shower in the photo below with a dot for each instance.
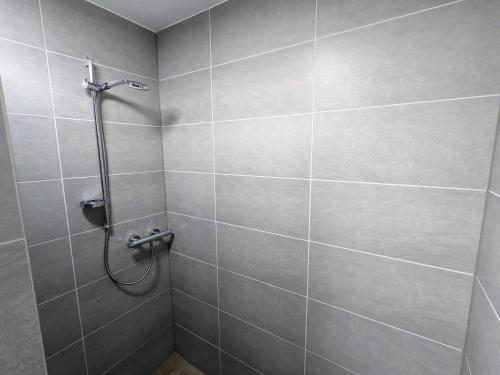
(134, 240)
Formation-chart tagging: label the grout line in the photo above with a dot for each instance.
(495, 194)
(388, 20)
(311, 145)
(107, 122)
(385, 324)
(193, 258)
(467, 361)
(240, 361)
(27, 115)
(21, 43)
(48, 241)
(11, 241)
(196, 299)
(184, 74)
(332, 362)
(56, 297)
(187, 124)
(488, 298)
(392, 258)
(95, 176)
(63, 349)
(197, 336)
(190, 216)
(62, 184)
(42, 180)
(214, 185)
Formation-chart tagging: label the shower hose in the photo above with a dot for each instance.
(103, 169)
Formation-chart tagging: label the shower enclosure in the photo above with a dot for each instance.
(328, 169)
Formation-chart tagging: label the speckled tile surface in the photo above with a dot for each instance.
(177, 365)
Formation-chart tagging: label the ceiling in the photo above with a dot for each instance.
(155, 15)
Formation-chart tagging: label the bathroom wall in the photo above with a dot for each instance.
(89, 325)
(21, 351)
(483, 336)
(326, 171)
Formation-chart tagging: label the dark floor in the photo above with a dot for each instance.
(177, 365)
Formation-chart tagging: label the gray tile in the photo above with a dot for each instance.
(274, 205)
(78, 148)
(35, 147)
(277, 260)
(188, 148)
(273, 84)
(125, 204)
(275, 310)
(111, 40)
(69, 361)
(270, 147)
(243, 28)
(121, 104)
(368, 347)
(184, 47)
(432, 226)
(190, 194)
(20, 342)
(121, 337)
(103, 300)
(483, 340)
(20, 21)
(495, 169)
(59, 322)
(148, 357)
(88, 248)
(465, 368)
(438, 144)
(319, 366)
(194, 278)
(10, 220)
(196, 316)
(25, 79)
(489, 254)
(193, 237)
(364, 284)
(199, 353)
(374, 66)
(335, 16)
(186, 99)
(43, 211)
(259, 349)
(51, 269)
(76, 191)
(231, 366)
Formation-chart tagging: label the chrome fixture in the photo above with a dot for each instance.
(134, 241)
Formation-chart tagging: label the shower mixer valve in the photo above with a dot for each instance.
(155, 235)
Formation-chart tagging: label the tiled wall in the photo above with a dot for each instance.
(481, 355)
(89, 325)
(21, 351)
(326, 167)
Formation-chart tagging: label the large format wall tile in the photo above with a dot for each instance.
(277, 311)
(35, 147)
(25, 79)
(270, 204)
(374, 65)
(367, 347)
(320, 366)
(260, 349)
(188, 148)
(193, 237)
(190, 194)
(196, 316)
(118, 339)
(489, 254)
(51, 269)
(69, 361)
(20, 342)
(43, 211)
(397, 293)
(440, 144)
(231, 366)
(336, 16)
(273, 84)
(186, 99)
(242, 28)
(199, 353)
(184, 47)
(274, 259)
(82, 29)
(483, 340)
(195, 278)
(432, 226)
(270, 147)
(20, 21)
(495, 169)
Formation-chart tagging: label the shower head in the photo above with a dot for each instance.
(108, 85)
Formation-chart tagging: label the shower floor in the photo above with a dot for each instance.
(177, 365)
